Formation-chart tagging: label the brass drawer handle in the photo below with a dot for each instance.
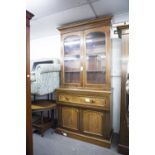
(89, 100)
(92, 101)
(63, 98)
(66, 98)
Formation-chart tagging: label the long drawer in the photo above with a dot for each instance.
(96, 101)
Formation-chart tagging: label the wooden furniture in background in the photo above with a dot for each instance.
(43, 123)
(29, 149)
(84, 99)
(124, 123)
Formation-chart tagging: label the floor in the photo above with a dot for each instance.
(55, 144)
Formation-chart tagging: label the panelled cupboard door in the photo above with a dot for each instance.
(96, 57)
(70, 118)
(93, 122)
(72, 60)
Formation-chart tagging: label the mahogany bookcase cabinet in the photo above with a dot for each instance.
(84, 98)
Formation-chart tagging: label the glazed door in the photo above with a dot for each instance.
(93, 122)
(70, 118)
(96, 57)
(72, 51)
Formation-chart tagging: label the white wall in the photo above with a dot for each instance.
(47, 47)
(116, 82)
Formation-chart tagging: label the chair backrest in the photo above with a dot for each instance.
(41, 62)
(45, 78)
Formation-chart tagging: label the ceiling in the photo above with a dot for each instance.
(50, 14)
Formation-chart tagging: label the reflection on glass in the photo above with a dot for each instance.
(95, 43)
(72, 59)
(72, 77)
(95, 58)
(72, 45)
(95, 63)
(127, 98)
(72, 64)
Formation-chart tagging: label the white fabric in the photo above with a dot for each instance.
(45, 79)
(33, 77)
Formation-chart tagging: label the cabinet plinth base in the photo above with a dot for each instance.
(86, 138)
(123, 149)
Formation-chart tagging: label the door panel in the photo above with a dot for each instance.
(93, 122)
(70, 118)
(96, 57)
(72, 58)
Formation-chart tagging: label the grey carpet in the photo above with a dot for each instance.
(55, 144)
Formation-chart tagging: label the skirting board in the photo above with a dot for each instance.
(89, 139)
(123, 149)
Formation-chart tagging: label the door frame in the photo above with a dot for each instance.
(29, 141)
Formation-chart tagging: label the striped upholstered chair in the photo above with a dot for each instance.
(45, 78)
(44, 81)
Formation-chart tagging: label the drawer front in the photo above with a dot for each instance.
(83, 100)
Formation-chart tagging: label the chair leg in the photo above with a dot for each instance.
(34, 97)
(52, 114)
(49, 97)
(42, 133)
(42, 120)
(48, 114)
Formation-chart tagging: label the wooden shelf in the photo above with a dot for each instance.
(96, 54)
(71, 55)
(41, 127)
(95, 40)
(94, 71)
(86, 71)
(72, 71)
(78, 59)
(96, 51)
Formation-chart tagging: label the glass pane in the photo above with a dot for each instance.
(72, 64)
(96, 58)
(72, 59)
(95, 43)
(72, 45)
(72, 77)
